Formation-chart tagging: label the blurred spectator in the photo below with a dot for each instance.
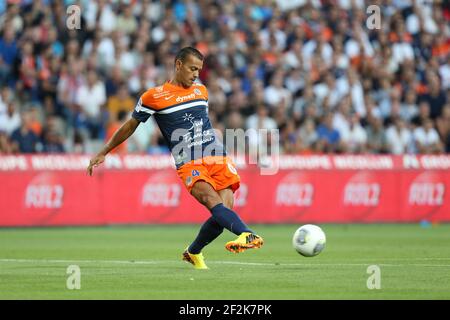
(423, 114)
(275, 94)
(444, 73)
(329, 139)
(114, 81)
(6, 97)
(100, 14)
(12, 18)
(307, 61)
(57, 48)
(70, 80)
(303, 99)
(90, 99)
(427, 138)
(113, 126)
(24, 140)
(35, 120)
(443, 126)
(8, 53)
(328, 89)
(157, 144)
(122, 101)
(10, 120)
(353, 86)
(78, 143)
(409, 108)
(145, 76)
(290, 138)
(238, 98)
(259, 120)
(52, 136)
(295, 80)
(234, 122)
(399, 137)
(126, 21)
(435, 97)
(5, 144)
(308, 135)
(357, 136)
(216, 98)
(376, 137)
(140, 140)
(28, 71)
(382, 97)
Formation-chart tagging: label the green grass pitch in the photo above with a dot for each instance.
(143, 262)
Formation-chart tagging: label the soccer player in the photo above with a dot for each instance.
(180, 108)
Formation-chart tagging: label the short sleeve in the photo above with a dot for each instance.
(142, 111)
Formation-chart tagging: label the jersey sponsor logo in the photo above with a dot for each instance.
(159, 95)
(167, 98)
(195, 135)
(185, 98)
(160, 92)
(190, 118)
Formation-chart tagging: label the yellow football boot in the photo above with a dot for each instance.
(245, 241)
(196, 260)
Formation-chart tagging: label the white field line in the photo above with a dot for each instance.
(406, 259)
(159, 262)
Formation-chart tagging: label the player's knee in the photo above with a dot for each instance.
(210, 200)
(228, 202)
(227, 198)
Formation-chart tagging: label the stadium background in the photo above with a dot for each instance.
(364, 120)
(367, 109)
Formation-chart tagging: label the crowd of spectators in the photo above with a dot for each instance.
(316, 70)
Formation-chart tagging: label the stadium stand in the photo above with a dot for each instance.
(312, 69)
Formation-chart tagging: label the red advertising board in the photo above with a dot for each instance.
(55, 190)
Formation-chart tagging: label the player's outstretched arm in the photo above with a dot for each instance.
(122, 134)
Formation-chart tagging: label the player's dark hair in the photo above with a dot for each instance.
(186, 51)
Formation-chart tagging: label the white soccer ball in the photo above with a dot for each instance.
(309, 240)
